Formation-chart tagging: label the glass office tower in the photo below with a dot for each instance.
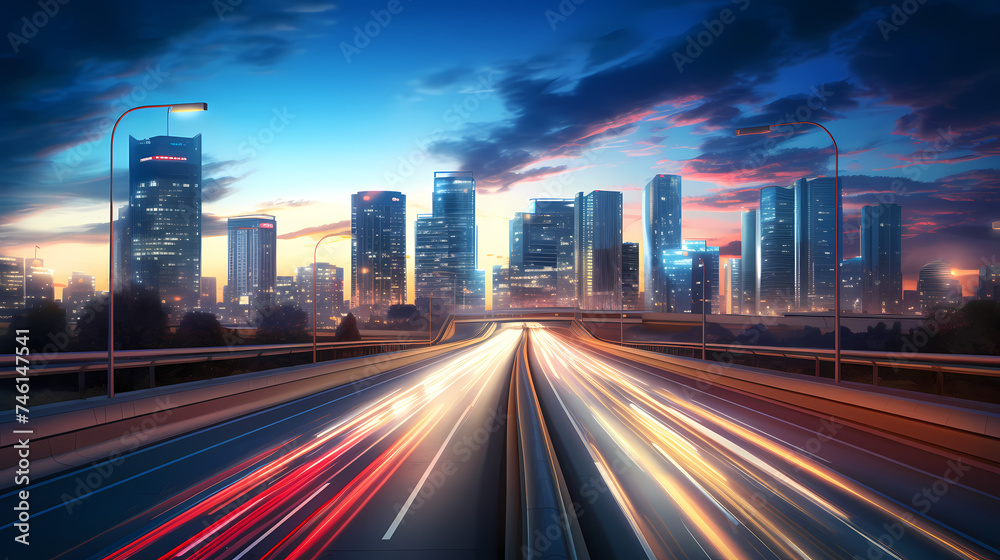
(445, 241)
(630, 277)
(253, 262)
(598, 234)
(378, 248)
(661, 227)
(881, 258)
(815, 238)
(165, 218)
(542, 255)
(748, 262)
(775, 251)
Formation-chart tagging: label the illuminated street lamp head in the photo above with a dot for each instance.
(753, 130)
(188, 107)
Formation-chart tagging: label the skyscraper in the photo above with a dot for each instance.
(661, 227)
(329, 292)
(78, 292)
(775, 251)
(209, 293)
(11, 286)
(630, 277)
(937, 287)
(598, 234)
(851, 280)
(285, 291)
(542, 255)
(881, 259)
(164, 218)
(253, 261)
(445, 255)
(501, 287)
(701, 253)
(748, 262)
(734, 285)
(815, 237)
(123, 250)
(989, 282)
(39, 284)
(378, 248)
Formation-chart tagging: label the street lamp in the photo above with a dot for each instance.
(316, 248)
(177, 108)
(836, 245)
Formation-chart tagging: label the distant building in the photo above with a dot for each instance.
(630, 277)
(734, 285)
(937, 287)
(598, 234)
(851, 291)
(445, 263)
(776, 251)
(329, 292)
(39, 285)
(881, 258)
(542, 255)
(122, 230)
(209, 294)
(501, 287)
(661, 227)
(989, 282)
(815, 243)
(285, 291)
(748, 262)
(165, 218)
(683, 271)
(79, 291)
(378, 248)
(11, 287)
(911, 303)
(253, 261)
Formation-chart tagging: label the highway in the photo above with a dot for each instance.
(410, 463)
(390, 461)
(665, 468)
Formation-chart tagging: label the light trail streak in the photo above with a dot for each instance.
(210, 521)
(682, 445)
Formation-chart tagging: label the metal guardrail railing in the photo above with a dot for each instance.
(881, 364)
(73, 362)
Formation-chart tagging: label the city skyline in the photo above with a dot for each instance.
(908, 134)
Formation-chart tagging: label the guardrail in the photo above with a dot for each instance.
(78, 375)
(925, 373)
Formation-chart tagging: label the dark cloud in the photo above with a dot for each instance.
(612, 46)
(444, 78)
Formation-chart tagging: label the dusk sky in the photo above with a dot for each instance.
(311, 101)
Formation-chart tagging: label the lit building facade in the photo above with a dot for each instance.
(542, 255)
(881, 258)
(253, 261)
(815, 243)
(598, 235)
(630, 277)
(661, 227)
(776, 251)
(164, 218)
(378, 248)
(11, 286)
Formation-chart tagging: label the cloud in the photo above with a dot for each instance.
(341, 228)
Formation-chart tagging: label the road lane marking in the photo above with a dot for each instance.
(416, 490)
(279, 523)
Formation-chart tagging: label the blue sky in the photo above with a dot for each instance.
(536, 98)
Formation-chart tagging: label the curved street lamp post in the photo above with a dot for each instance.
(172, 107)
(836, 244)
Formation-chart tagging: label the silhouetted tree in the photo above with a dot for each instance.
(46, 326)
(199, 329)
(140, 321)
(971, 329)
(405, 316)
(347, 330)
(282, 324)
